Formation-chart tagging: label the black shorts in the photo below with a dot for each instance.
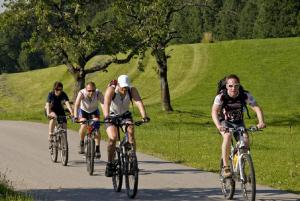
(235, 124)
(61, 116)
(125, 117)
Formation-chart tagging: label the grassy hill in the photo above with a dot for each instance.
(269, 69)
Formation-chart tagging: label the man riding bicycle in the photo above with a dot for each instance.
(117, 99)
(86, 107)
(54, 106)
(231, 103)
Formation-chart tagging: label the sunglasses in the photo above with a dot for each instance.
(58, 89)
(233, 85)
(91, 90)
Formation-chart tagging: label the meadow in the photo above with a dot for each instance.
(268, 68)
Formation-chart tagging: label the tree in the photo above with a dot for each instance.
(17, 24)
(210, 13)
(247, 19)
(67, 31)
(277, 18)
(228, 19)
(151, 21)
(189, 24)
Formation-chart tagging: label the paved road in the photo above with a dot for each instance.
(25, 161)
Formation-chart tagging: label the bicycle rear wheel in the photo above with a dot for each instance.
(89, 154)
(117, 177)
(131, 173)
(227, 184)
(248, 184)
(64, 148)
(53, 149)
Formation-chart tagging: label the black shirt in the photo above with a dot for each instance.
(56, 102)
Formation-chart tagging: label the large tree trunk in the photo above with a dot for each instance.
(79, 78)
(161, 60)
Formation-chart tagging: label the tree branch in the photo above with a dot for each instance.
(66, 61)
(115, 60)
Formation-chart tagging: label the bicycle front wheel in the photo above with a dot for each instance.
(131, 173)
(117, 177)
(90, 153)
(248, 184)
(64, 149)
(227, 184)
(53, 149)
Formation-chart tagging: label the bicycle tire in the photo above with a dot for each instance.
(53, 149)
(227, 184)
(117, 177)
(248, 185)
(64, 148)
(90, 154)
(131, 173)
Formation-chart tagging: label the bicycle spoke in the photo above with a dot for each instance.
(131, 175)
(227, 184)
(117, 177)
(248, 183)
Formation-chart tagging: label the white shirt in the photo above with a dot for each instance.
(119, 105)
(89, 104)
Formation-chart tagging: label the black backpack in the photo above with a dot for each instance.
(221, 89)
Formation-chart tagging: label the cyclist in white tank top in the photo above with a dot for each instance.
(116, 103)
(86, 107)
(120, 103)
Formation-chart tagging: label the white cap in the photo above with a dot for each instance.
(123, 81)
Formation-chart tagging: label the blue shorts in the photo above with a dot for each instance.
(86, 115)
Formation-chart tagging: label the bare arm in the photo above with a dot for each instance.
(69, 107)
(77, 104)
(214, 114)
(138, 102)
(109, 93)
(47, 107)
(260, 116)
(101, 99)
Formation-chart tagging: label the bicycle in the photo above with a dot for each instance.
(241, 166)
(59, 142)
(89, 143)
(125, 161)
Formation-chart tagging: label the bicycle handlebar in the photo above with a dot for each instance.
(250, 129)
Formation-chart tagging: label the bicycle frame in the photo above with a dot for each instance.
(59, 142)
(126, 161)
(242, 167)
(240, 150)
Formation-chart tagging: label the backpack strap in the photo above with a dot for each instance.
(242, 96)
(129, 93)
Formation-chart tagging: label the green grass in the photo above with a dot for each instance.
(7, 192)
(269, 69)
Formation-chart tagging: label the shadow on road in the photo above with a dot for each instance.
(186, 194)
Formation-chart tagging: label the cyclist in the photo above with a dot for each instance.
(86, 107)
(54, 106)
(117, 99)
(230, 104)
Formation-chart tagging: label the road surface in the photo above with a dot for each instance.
(26, 162)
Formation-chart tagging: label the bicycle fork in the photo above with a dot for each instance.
(240, 168)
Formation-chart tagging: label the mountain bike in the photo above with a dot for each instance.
(89, 143)
(59, 142)
(241, 166)
(125, 161)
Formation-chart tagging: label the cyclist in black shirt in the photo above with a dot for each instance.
(54, 106)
